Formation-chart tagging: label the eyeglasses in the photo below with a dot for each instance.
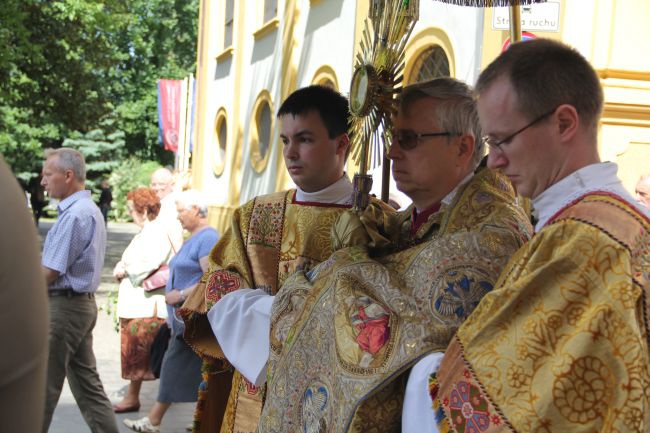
(493, 143)
(407, 139)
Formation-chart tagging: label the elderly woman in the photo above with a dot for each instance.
(181, 367)
(140, 312)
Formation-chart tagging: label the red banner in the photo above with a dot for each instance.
(169, 112)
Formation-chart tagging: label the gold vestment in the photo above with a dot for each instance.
(268, 239)
(561, 345)
(343, 333)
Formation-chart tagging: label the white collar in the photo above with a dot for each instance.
(340, 192)
(595, 177)
(446, 200)
(449, 197)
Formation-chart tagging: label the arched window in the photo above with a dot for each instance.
(432, 63)
(260, 132)
(220, 141)
(264, 129)
(325, 76)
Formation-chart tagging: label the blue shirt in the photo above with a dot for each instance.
(184, 267)
(76, 244)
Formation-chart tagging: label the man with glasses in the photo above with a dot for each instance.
(345, 334)
(561, 344)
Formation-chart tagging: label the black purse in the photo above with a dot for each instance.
(158, 349)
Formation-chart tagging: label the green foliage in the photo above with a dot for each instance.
(103, 149)
(110, 307)
(68, 65)
(130, 174)
(20, 141)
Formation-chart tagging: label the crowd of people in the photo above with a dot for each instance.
(461, 313)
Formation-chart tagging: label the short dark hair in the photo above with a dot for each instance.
(332, 107)
(145, 199)
(544, 74)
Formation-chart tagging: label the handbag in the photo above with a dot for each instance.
(157, 280)
(158, 349)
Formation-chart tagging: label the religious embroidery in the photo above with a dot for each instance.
(371, 320)
(265, 224)
(220, 283)
(457, 292)
(314, 408)
(367, 318)
(561, 343)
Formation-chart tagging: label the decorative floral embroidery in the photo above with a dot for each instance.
(220, 284)
(468, 408)
(438, 410)
(266, 223)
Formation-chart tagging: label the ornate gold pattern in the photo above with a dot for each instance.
(562, 343)
(392, 299)
(378, 77)
(269, 237)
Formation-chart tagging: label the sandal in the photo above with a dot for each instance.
(142, 425)
(124, 409)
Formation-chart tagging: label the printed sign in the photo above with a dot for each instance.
(540, 17)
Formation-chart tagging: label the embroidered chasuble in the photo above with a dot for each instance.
(343, 333)
(269, 238)
(561, 344)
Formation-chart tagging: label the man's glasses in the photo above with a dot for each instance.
(407, 140)
(493, 143)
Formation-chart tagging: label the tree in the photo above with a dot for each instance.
(130, 174)
(102, 148)
(68, 65)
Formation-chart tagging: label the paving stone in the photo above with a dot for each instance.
(106, 343)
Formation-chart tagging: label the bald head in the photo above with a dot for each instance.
(643, 190)
(162, 181)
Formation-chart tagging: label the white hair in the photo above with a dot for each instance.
(192, 197)
(69, 159)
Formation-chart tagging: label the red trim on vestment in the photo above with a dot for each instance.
(419, 218)
(603, 193)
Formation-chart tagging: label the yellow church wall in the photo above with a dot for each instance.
(612, 35)
(299, 50)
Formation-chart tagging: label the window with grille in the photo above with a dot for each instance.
(432, 63)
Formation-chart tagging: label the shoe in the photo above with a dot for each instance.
(190, 427)
(142, 425)
(124, 409)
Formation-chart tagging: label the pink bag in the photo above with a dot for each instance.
(157, 280)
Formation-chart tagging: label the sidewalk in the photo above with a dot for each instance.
(67, 417)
